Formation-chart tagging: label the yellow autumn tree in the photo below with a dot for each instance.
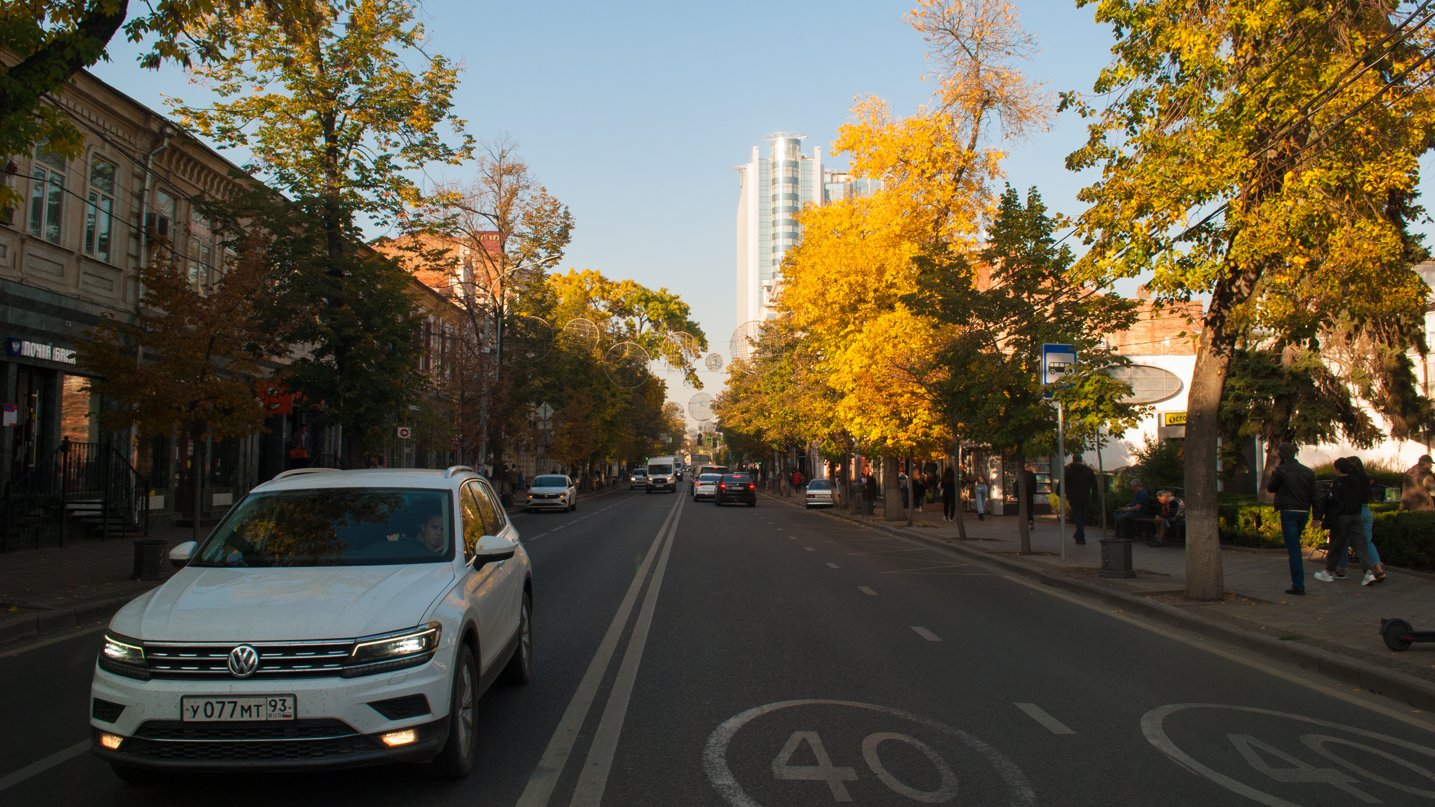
(844, 285)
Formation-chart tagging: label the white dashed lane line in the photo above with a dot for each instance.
(926, 634)
(1050, 723)
(809, 549)
(865, 590)
(832, 566)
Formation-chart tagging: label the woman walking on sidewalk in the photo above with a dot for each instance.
(979, 492)
(1342, 511)
(1367, 518)
(949, 495)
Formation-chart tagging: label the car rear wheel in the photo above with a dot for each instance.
(520, 666)
(457, 757)
(136, 776)
(752, 503)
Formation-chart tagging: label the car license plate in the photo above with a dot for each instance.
(210, 709)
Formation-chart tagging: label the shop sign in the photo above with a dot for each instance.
(10, 415)
(1173, 419)
(35, 350)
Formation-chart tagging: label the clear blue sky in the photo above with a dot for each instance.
(636, 113)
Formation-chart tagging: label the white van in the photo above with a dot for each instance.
(663, 474)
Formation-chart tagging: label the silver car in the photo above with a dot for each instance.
(820, 494)
(638, 478)
(705, 486)
(552, 492)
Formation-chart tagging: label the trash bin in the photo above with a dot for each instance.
(1116, 558)
(148, 554)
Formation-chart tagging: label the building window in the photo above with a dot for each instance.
(201, 251)
(47, 190)
(99, 215)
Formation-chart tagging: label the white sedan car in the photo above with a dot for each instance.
(332, 619)
(552, 492)
(638, 478)
(820, 494)
(705, 486)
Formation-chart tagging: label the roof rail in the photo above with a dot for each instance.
(298, 471)
(453, 469)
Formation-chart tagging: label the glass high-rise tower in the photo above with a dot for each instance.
(773, 189)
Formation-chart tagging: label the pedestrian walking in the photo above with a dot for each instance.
(869, 487)
(1342, 514)
(919, 491)
(949, 495)
(979, 493)
(299, 449)
(1367, 518)
(1080, 492)
(1418, 488)
(1294, 487)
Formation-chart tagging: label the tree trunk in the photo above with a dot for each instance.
(891, 491)
(1023, 512)
(957, 470)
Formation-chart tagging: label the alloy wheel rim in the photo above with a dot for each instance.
(465, 709)
(527, 640)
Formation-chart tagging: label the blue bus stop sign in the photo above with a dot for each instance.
(1056, 361)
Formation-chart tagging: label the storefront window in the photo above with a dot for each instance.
(77, 420)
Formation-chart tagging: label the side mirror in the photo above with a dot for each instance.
(180, 555)
(492, 549)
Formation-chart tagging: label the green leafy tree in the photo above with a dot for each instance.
(334, 117)
(54, 39)
(993, 388)
(1261, 154)
(190, 358)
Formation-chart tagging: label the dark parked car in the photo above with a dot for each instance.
(735, 488)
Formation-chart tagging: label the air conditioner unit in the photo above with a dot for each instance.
(156, 226)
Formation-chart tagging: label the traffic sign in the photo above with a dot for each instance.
(1056, 361)
(405, 432)
(544, 411)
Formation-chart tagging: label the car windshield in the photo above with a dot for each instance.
(741, 479)
(334, 527)
(662, 470)
(551, 482)
(709, 477)
(818, 484)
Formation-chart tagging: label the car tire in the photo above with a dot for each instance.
(137, 776)
(459, 753)
(573, 506)
(752, 503)
(520, 667)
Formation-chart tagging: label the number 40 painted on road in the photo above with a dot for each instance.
(837, 777)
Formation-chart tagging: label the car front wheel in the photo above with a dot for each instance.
(457, 757)
(520, 666)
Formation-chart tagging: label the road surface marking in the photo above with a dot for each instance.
(66, 636)
(832, 566)
(12, 779)
(792, 537)
(869, 592)
(594, 777)
(926, 634)
(809, 549)
(555, 756)
(1050, 723)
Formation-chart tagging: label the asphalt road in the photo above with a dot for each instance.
(694, 655)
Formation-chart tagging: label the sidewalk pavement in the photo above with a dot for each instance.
(1342, 618)
(43, 591)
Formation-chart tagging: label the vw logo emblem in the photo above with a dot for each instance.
(243, 661)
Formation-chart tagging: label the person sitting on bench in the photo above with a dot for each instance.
(1126, 516)
(1173, 510)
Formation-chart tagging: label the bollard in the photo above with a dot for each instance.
(148, 553)
(1116, 558)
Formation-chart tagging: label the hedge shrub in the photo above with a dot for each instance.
(1404, 538)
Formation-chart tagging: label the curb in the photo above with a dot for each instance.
(1393, 684)
(44, 623)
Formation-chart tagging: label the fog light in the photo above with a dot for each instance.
(394, 738)
(111, 741)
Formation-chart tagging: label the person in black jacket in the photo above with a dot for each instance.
(1342, 507)
(1080, 491)
(1294, 487)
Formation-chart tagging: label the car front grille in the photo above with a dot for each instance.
(276, 660)
(294, 740)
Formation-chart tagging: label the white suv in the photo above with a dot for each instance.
(332, 619)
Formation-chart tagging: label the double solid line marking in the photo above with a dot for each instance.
(594, 777)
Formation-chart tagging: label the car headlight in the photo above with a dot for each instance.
(123, 656)
(394, 651)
